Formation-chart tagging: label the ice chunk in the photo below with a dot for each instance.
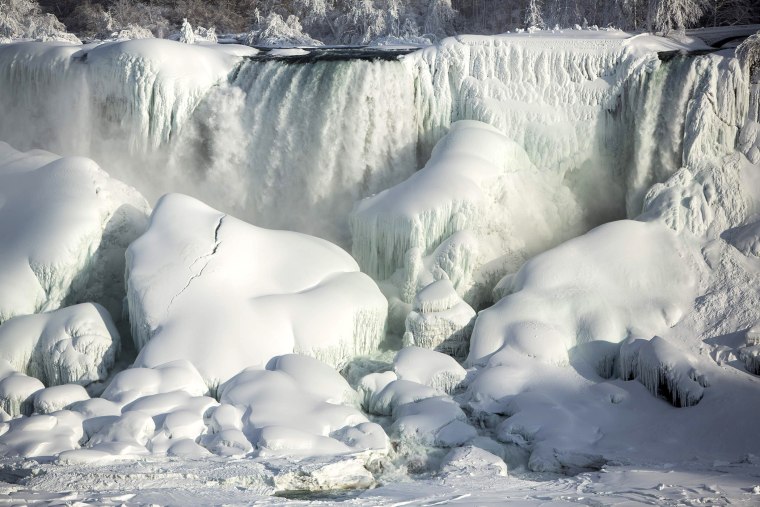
(65, 226)
(430, 368)
(58, 398)
(209, 288)
(435, 421)
(77, 344)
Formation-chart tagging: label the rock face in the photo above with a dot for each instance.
(65, 225)
(227, 295)
(75, 345)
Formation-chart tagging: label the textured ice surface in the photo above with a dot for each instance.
(440, 320)
(65, 225)
(226, 295)
(77, 344)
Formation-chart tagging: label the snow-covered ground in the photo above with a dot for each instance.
(552, 296)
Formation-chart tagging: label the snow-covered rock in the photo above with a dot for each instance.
(65, 225)
(469, 461)
(42, 435)
(135, 383)
(622, 278)
(226, 295)
(77, 344)
(282, 418)
(17, 393)
(53, 399)
(429, 368)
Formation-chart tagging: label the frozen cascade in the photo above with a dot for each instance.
(221, 128)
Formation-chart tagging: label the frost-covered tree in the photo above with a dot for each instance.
(666, 15)
(276, 31)
(748, 53)
(24, 19)
(533, 17)
(186, 33)
(440, 18)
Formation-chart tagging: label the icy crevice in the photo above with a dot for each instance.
(206, 257)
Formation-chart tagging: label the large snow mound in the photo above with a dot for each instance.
(622, 279)
(227, 295)
(77, 344)
(65, 226)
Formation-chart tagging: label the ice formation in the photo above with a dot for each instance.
(440, 320)
(65, 225)
(225, 295)
(77, 344)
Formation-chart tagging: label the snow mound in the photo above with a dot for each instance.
(282, 418)
(65, 225)
(226, 295)
(420, 415)
(134, 383)
(621, 278)
(17, 393)
(430, 368)
(77, 344)
(58, 398)
(41, 435)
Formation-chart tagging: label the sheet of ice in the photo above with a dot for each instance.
(77, 344)
(65, 225)
(226, 295)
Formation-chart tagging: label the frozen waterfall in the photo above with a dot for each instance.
(295, 145)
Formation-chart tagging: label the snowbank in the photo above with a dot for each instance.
(226, 295)
(65, 226)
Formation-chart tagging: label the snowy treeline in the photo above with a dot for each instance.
(362, 21)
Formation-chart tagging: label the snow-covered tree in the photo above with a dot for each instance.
(186, 33)
(276, 31)
(748, 53)
(666, 15)
(440, 18)
(23, 19)
(533, 17)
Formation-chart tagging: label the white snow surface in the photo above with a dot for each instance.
(65, 225)
(226, 295)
